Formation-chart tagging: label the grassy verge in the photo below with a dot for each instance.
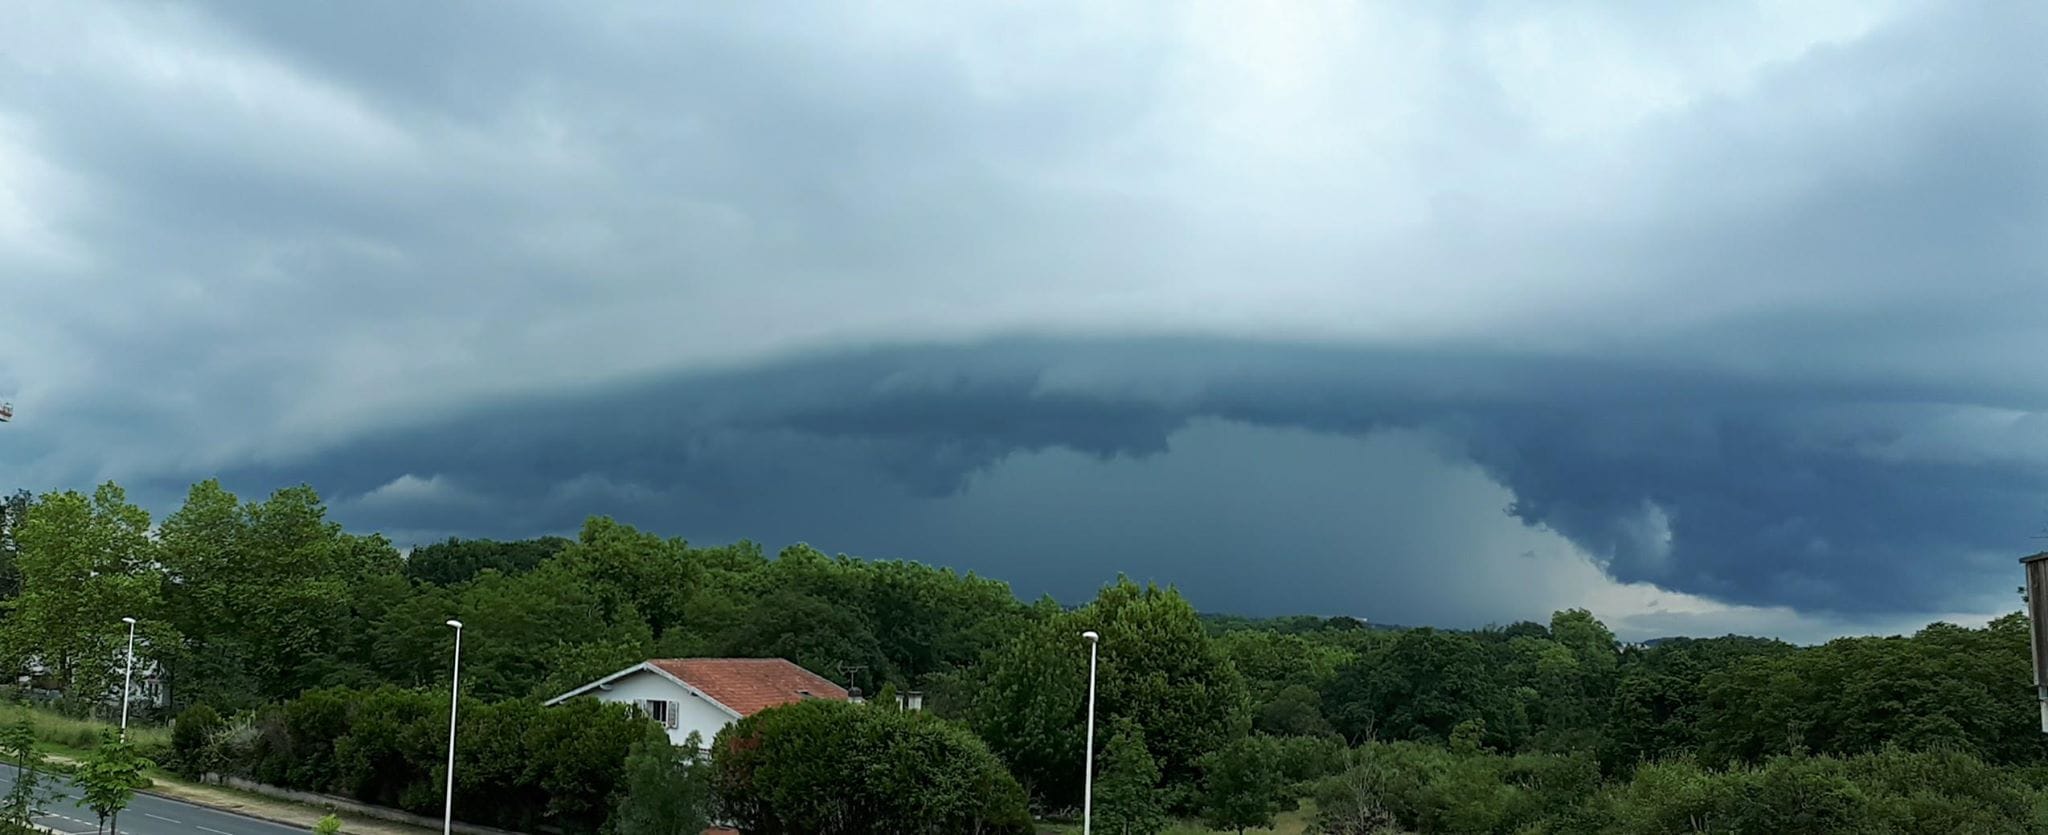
(78, 735)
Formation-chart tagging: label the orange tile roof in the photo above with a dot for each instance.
(750, 685)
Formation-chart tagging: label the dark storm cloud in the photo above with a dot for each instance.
(1745, 302)
(1815, 496)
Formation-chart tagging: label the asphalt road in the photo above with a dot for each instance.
(146, 815)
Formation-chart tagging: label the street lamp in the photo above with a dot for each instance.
(454, 699)
(1088, 760)
(127, 678)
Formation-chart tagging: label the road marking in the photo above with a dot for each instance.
(162, 818)
(211, 829)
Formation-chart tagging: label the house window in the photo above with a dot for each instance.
(659, 711)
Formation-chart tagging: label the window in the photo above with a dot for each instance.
(659, 711)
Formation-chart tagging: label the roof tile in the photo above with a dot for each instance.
(750, 685)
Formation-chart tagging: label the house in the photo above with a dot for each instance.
(703, 695)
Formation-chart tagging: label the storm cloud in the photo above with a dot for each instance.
(1725, 317)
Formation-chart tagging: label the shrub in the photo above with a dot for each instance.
(190, 736)
(833, 767)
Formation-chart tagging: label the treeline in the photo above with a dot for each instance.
(265, 611)
(253, 603)
(1407, 786)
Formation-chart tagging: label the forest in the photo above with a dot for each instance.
(300, 654)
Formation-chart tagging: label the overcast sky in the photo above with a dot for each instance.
(1706, 316)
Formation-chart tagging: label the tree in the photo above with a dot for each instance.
(458, 561)
(108, 777)
(668, 789)
(1158, 668)
(1127, 799)
(13, 512)
(85, 561)
(1421, 684)
(269, 598)
(24, 800)
(1241, 784)
(834, 768)
(1294, 711)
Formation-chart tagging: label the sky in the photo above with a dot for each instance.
(1705, 317)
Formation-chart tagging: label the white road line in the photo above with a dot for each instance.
(211, 829)
(162, 818)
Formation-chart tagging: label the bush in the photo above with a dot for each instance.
(190, 736)
(826, 766)
(518, 765)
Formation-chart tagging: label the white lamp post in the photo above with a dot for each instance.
(1088, 758)
(127, 678)
(454, 700)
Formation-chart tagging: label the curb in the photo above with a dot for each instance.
(264, 818)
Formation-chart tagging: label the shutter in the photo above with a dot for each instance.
(673, 709)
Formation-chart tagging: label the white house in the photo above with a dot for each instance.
(706, 694)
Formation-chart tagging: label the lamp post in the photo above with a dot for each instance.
(127, 677)
(454, 700)
(1088, 758)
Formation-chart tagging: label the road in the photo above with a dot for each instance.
(146, 815)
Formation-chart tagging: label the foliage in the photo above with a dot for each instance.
(1422, 683)
(1241, 784)
(1946, 687)
(318, 647)
(833, 768)
(190, 738)
(108, 777)
(1158, 669)
(518, 765)
(1127, 800)
(459, 561)
(327, 825)
(84, 562)
(667, 789)
(30, 788)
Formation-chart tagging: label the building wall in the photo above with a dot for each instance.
(693, 713)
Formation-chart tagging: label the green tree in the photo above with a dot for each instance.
(628, 570)
(459, 561)
(13, 512)
(1159, 669)
(667, 789)
(1127, 797)
(1295, 710)
(108, 777)
(85, 562)
(24, 800)
(1419, 685)
(1241, 785)
(270, 598)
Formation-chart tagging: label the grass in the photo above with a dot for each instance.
(60, 734)
(1285, 823)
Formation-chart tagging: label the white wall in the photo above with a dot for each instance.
(693, 713)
